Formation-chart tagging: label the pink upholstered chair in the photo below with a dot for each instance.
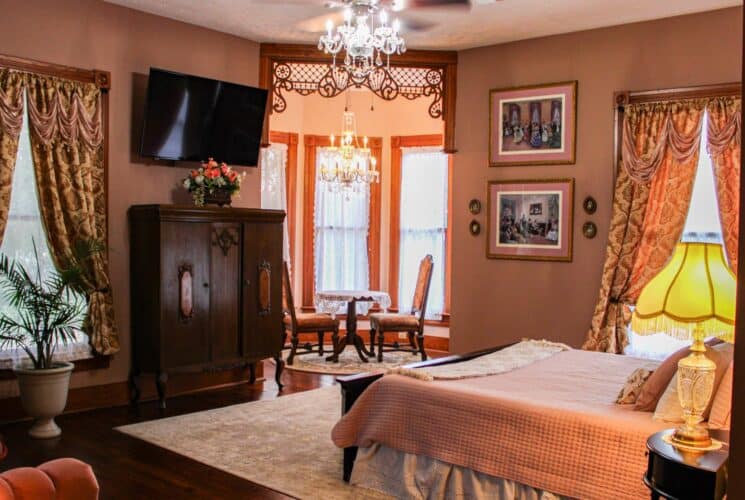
(61, 479)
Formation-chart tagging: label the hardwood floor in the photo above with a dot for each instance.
(128, 468)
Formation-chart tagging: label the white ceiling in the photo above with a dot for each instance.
(488, 24)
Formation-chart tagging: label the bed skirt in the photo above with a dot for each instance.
(405, 475)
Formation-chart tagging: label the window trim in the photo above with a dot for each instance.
(397, 143)
(310, 144)
(291, 140)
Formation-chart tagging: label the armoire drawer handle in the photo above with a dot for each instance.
(246, 283)
(206, 285)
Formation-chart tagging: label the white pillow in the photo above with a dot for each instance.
(668, 407)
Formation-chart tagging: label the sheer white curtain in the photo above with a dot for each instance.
(342, 221)
(424, 219)
(273, 163)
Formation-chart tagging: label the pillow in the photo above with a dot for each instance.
(656, 384)
(631, 389)
(721, 408)
(668, 408)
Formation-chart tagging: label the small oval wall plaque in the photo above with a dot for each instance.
(474, 227)
(590, 205)
(474, 206)
(589, 230)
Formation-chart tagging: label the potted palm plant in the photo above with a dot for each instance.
(44, 313)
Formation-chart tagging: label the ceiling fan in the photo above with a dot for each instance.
(360, 31)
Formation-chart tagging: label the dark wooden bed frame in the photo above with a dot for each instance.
(352, 386)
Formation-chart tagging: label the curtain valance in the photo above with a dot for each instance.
(65, 110)
(652, 131)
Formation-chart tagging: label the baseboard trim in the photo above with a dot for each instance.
(117, 394)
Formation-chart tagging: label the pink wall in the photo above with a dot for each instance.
(498, 301)
(93, 34)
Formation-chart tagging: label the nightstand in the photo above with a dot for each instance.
(680, 475)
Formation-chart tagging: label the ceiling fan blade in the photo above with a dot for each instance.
(411, 24)
(318, 24)
(418, 4)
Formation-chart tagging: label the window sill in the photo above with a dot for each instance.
(83, 365)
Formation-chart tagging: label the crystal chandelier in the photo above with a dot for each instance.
(348, 166)
(363, 41)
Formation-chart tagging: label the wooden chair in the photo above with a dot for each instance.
(296, 324)
(412, 323)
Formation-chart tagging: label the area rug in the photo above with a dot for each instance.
(349, 362)
(283, 444)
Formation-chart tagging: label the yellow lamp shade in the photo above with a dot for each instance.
(695, 290)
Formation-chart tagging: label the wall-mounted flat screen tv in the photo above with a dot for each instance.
(190, 118)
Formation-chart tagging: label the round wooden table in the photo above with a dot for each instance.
(332, 301)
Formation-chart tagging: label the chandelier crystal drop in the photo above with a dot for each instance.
(364, 43)
(348, 166)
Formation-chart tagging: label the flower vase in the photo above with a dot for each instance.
(218, 196)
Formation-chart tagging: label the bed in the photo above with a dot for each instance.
(551, 427)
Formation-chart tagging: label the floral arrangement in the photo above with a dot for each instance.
(211, 178)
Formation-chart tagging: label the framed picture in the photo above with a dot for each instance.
(534, 125)
(530, 220)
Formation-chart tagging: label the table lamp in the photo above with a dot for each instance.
(692, 298)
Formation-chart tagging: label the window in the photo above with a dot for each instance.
(702, 224)
(423, 224)
(24, 228)
(341, 226)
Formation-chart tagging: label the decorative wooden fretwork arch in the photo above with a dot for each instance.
(414, 75)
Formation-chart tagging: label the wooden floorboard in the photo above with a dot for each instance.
(128, 468)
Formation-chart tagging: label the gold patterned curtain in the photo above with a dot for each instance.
(11, 120)
(652, 194)
(724, 147)
(67, 150)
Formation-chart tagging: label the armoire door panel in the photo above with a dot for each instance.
(185, 296)
(262, 291)
(225, 264)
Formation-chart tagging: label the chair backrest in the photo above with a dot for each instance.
(421, 291)
(3, 449)
(288, 305)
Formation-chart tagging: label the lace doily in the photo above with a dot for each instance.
(335, 301)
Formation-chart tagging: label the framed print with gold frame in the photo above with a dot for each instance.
(530, 219)
(533, 125)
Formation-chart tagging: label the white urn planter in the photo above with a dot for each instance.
(44, 396)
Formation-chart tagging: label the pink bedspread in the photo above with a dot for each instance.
(552, 425)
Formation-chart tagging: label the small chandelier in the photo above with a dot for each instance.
(348, 166)
(363, 41)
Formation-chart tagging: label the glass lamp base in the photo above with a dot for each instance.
(696, 436)
(695, 386)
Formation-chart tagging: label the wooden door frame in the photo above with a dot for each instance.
(310, 144)
(736, 486)
(444, 60)
(397, 143)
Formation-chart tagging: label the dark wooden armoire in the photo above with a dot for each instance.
(206, 289)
